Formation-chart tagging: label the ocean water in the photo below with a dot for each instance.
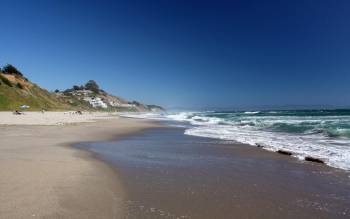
(324, 134)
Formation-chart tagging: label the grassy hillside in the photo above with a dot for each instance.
(16, 91)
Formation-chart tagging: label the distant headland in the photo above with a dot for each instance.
(16, 92)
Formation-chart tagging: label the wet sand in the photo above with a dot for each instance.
(167, 174)
(41, 176)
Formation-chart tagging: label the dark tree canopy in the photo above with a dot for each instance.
(10, 69)
(93, 86)
(135, 103)
(76, 87)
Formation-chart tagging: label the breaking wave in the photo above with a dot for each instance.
(324, 134)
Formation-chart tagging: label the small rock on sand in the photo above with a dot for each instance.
(314, 159)
(284, 152)
(259, 145)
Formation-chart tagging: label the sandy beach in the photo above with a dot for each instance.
(52, 118)
(144, 171)
(41, 176)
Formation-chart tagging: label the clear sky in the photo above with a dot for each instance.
(185, 53)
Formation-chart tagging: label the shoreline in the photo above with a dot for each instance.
(168, 173)
(44, 175)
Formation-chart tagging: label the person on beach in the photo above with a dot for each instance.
(16, 112)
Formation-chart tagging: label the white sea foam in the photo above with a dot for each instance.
(154, 116)
(183, 116)
(337, 155)
(251, 112)
(251, 130)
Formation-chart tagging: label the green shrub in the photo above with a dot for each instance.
(19, 85)
(6, 81)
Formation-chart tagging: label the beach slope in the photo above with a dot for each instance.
(42, 177)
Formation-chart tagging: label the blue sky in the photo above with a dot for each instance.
(185, 53)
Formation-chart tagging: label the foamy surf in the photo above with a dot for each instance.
(323, 134)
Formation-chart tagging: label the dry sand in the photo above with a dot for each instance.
(52, 118)
(41, 177)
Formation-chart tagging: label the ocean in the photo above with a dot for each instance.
(324, 134)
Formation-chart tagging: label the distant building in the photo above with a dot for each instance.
(127, 105)
(96, 102)
(24, 107)
(116, 104)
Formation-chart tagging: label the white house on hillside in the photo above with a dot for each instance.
(116, 104)
(96, 102)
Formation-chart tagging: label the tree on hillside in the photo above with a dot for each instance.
(10, 69)
(76, 87)
(93, 86)
(135, 103)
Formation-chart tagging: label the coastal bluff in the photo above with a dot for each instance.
(18, 92)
